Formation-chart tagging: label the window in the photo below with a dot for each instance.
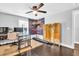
(24, 24)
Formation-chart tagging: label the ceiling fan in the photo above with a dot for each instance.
(35, 9)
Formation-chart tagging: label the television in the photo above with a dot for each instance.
(22, 31)
(18, 29)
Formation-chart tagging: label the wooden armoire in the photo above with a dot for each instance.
(52, 32)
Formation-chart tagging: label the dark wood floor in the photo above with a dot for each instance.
(48, 50)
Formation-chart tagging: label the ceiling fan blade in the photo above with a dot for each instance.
(42, 11)
(28, 12)
(40, 5)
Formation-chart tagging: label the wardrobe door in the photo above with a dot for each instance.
(44, 32)
(57, 32)
(48, 34)
(52, 33)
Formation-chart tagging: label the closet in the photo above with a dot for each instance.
(52, 32)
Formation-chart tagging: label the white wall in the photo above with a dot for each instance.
(7, 20)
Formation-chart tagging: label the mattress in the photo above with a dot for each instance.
(3, 42)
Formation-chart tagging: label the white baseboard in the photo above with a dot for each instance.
(77, 42)
(72, 47)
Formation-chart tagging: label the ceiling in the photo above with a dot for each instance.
(21, 8)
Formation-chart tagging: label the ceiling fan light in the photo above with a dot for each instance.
(34, 12)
